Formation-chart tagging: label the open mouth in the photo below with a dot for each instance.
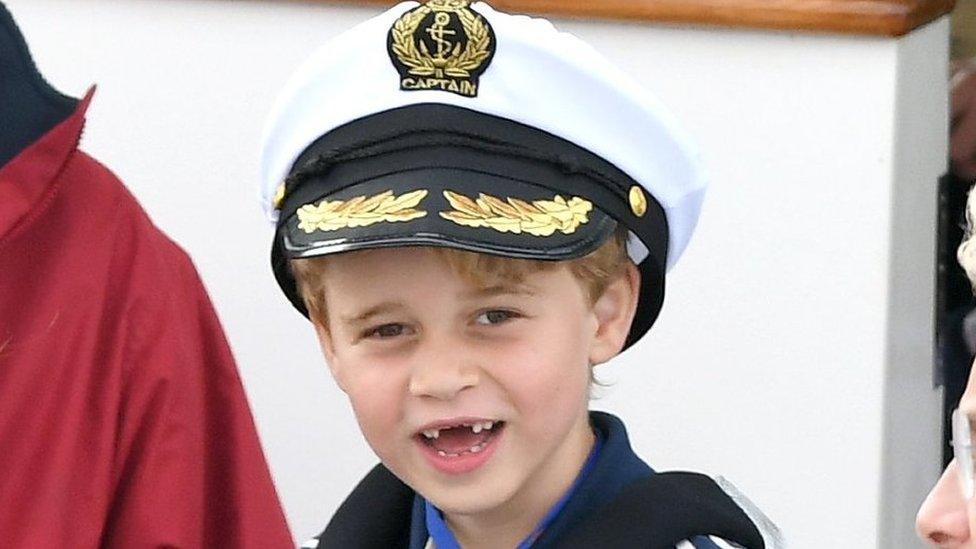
(461, 439)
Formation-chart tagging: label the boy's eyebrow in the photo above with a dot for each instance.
(385, 307)
(390, 306)
(501, 289)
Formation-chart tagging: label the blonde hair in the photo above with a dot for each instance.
(594, 271)
(967, 250)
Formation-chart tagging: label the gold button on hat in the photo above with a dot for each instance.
(638, 202)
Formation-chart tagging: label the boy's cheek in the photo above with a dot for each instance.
(377, 421)
(376, 399)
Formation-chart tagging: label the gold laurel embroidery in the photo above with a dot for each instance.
(539, 218)
(477, 50)
(403, 44)
(360, 211)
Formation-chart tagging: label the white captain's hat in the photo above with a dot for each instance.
(451, 124)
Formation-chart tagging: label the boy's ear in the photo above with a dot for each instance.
(615, 311)
(328, 350)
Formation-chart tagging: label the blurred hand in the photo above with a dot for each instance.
(962, 140)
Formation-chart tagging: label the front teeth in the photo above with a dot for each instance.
(433, 434)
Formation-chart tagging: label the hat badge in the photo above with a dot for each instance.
(442, 45)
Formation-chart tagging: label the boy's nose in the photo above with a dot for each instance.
(943, 519)
(442, 371)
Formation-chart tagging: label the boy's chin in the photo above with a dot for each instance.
(469, 500)
(473, 494)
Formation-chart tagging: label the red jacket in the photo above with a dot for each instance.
(123, 422)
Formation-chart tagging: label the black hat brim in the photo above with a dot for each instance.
(448, 206)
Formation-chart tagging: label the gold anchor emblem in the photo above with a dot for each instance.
(441, 45)
(438, 31)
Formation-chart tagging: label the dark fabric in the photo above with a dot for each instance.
(622, 503)
(954, 300)
(123, 422)
(376, 515)
(956, 289)
(956, 363)
(29, 107)
(418, 524)
(668, 508)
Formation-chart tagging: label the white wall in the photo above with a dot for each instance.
(790, 355)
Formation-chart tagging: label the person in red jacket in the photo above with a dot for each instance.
(123, 422)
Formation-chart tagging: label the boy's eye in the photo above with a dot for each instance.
(385, 331)
(495, 317)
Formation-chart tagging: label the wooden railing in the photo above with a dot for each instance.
(869, 17)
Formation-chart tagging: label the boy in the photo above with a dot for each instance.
(477, 210)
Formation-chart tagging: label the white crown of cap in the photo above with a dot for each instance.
(539, 77)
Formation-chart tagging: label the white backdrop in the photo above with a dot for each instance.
(793, 355)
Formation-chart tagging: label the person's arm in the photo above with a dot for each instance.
(190, 471)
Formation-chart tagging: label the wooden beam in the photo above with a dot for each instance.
(867, 17)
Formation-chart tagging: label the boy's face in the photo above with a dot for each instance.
(417, 348)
